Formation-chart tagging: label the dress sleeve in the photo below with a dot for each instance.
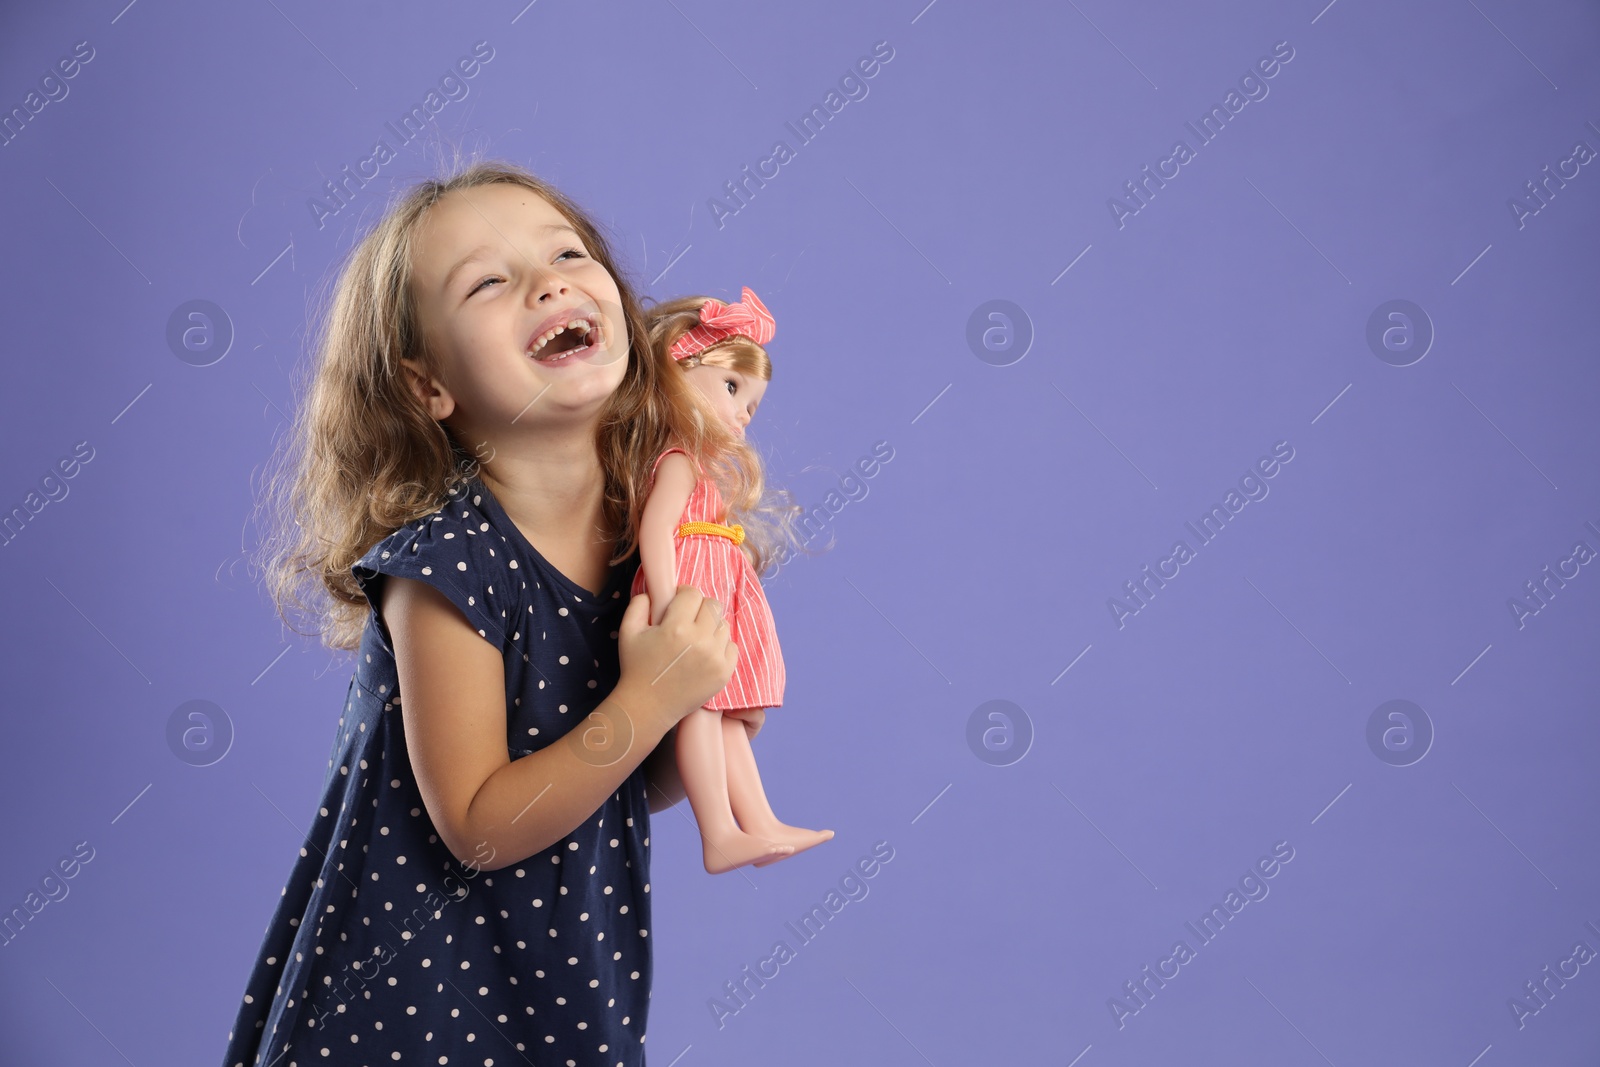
(457, 553)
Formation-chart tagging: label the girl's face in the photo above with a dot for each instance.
(497, 271)
(733, 396)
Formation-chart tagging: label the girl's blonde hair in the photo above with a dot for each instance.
(767, 514)
(364, 457)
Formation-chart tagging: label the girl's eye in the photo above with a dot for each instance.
(579, 253)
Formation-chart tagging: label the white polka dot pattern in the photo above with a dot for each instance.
(384, 947)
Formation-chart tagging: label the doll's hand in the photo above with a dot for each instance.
(753, 719)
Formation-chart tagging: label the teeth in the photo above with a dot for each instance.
(544, 339)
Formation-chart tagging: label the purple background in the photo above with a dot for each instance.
(1229, 313)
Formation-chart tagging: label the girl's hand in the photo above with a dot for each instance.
(670, 669)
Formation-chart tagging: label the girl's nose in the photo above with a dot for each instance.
(548, 285)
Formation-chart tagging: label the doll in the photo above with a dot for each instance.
(683, 540)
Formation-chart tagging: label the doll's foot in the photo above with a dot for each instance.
(797, 837)
(729, 851)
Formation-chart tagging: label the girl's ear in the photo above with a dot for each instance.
(430, 390)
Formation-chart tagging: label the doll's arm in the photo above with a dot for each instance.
(674, 482)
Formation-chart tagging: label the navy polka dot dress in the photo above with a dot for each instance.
(384, 948)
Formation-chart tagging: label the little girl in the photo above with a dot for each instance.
(683, 540)
(456, 507)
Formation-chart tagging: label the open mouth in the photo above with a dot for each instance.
(579, 336)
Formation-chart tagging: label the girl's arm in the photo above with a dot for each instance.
(491, 811)
(674, 482)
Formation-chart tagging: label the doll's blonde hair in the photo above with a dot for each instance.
(364, 457)
(767, 514)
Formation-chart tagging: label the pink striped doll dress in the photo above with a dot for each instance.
(710, 559)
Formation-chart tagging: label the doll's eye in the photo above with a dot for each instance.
(733, 387)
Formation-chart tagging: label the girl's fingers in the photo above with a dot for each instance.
(636, 616)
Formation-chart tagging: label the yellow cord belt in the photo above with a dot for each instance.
(734, 533)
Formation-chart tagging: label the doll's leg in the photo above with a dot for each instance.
(705, 780)
(749, 800)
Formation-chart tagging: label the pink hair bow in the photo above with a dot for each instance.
(748, 317)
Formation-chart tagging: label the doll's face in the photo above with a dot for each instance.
(734, 396)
